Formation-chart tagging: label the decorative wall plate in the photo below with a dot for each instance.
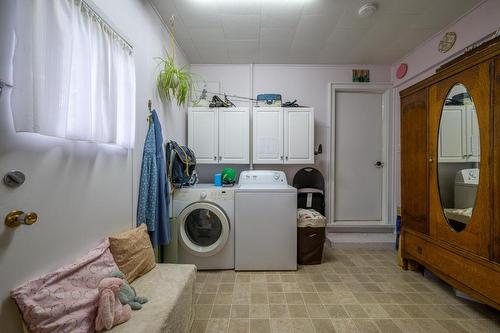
(401, 71)
(447, 41)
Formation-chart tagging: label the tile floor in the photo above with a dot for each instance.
(354, 290)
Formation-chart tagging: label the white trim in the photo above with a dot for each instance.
(388, 211)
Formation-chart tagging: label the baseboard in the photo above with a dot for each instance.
(386, 228)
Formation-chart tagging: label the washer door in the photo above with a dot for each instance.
(204, 229)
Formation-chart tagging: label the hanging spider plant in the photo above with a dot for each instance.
(173, 82)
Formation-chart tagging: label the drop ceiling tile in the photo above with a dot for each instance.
(210, 35)
(242, 48)
(196, 14)
(276, 35)
(324, 7)
(241, 26)
(319, 26)
(237, 7)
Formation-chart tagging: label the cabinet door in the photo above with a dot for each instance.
(452, 135)
(267, 135)
(203, 134)
(414, 162)
(472, 135)
(234, 135)
(298, 135)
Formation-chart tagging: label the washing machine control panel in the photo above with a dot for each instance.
(262, 177)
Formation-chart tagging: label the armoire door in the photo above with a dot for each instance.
(467, 226)
(496, 160)
(414, 161)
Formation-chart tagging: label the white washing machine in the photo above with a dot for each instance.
(266, 222)
(205, 222)
(466, 182)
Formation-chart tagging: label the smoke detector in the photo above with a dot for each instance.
(367, 10)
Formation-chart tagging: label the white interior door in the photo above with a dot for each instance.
(234, 135)
(267, 135)
(358, 176)
(299, 135)
(203, 134)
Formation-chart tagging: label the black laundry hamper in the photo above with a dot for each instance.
(310, 186)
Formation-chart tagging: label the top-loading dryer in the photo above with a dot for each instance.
(265, 222)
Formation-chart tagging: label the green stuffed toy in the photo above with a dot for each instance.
(127, 294)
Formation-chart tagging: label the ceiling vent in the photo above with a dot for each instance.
(367, 9)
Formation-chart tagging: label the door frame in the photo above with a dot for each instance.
(388, 129)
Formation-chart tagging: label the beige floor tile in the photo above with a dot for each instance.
(242, 278)
(430, 326)
(241, 298)
(275, 287)
(311, 298)
(336, 311)
(280, 325)
(409, 325)
(323, 325)
(414, 311)
(294, 298)
(387, 326)
(259, 298)
(355, 311)
(273, 278)
(452, 326)
(395, 311)
(226, 287)
(202, 311)
(240, 311)
(317, 311)
(221, 311)
(223, 298)
(288, 278)
(239, 326)
(217, 326)
(258, 287)
(345, 326)
(364, 298)
(278, 311)
(306, 287)
(206, 299)
(298, 311)
(199, 326)
(260, 326)
(290, 287)
(302, 325)
(375, 311)
(210, 288)
(481, 325)
(259, 311)
(366, 326)
(276, 298)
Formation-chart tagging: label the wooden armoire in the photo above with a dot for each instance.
(450, 173)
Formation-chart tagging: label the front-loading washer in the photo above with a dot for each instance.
(205, 222)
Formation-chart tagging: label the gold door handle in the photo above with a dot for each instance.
(431, 160)
(17, 217)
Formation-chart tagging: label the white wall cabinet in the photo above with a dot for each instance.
(219, 135)
(283, 135)
(459, 135)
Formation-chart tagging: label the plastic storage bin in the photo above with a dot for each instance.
(310, 236)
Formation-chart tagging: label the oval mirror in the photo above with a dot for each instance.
(458, 157)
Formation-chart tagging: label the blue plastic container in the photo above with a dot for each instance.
(218, 179)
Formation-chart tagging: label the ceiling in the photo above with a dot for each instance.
(305, 31)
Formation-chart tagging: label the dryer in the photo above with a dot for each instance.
(266, 222)
(205, 223)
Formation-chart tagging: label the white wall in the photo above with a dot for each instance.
(82, 191)
(309, 84)
(425, 59)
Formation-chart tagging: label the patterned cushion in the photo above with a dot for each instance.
(133, 252)
(65, 300)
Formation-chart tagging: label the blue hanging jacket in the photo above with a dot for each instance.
(153, 188)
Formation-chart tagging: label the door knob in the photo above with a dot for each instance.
(17, 217)
(379, 164)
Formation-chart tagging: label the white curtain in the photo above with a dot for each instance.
(74, 76)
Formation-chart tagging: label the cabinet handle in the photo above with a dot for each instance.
(220, 158)
(286, 158)
(215, 158)
(281, 157)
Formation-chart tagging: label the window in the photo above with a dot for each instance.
(74, 76)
